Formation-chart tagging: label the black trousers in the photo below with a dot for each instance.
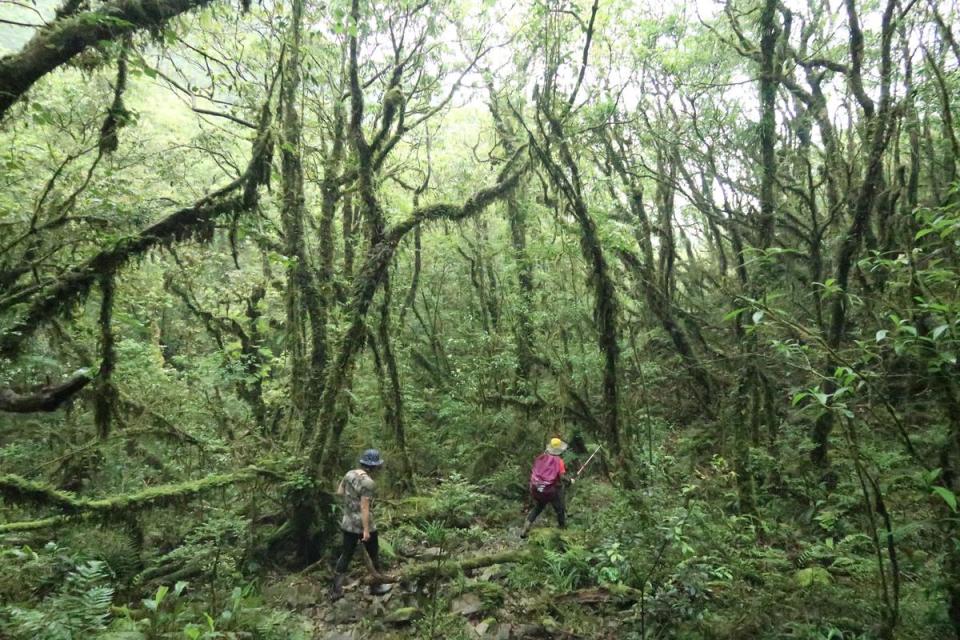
(350, 541)
(558, 506)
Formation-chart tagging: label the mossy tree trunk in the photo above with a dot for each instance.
(878, 127)
(106, 394)
(516, 210)
(565, 174)
(654, 284)
(393, 396)
(306, 303)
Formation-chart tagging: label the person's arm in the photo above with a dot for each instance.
(340, 488)
(365, 516)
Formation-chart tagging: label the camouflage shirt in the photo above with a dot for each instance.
(356, 484)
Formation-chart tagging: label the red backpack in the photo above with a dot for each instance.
(545, 477)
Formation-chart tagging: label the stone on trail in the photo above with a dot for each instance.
(493, 572)
(466, 604)
(500, 632)
(484, 625)
(296, 594)
(376, 609)
(525, 631)
(550, 625)
(346, 611)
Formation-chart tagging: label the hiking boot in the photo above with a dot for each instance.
(380, 589)
(336, 589)
(526, 529)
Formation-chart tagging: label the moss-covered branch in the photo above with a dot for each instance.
(48, 398)
(196, 221)
(21, 490)
(76, 283)
(33, 525)
(70, 35)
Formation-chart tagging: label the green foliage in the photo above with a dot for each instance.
(568, 569)
(455, 501)
(786, 404)
(185, 611)
(78, 608)
(811, 576)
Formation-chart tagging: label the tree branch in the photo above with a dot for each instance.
(195, 221)
(20, 490)
(70, 35)
(48, 398)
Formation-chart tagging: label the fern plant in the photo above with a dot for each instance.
(79, 608)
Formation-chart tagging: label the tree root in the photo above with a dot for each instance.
(596, 595)
(451, 569)
(169, 572)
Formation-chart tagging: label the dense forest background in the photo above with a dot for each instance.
(717, 243)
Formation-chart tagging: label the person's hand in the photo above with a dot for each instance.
(366, 535)
(572, 480)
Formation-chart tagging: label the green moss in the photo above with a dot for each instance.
(18, 489)
(403, 614)
(33, 525)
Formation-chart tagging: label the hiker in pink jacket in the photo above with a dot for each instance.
(546, 484)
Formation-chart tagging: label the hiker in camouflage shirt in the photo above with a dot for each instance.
(357, 489)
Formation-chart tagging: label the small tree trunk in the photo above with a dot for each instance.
(106, 393)
(393, 395)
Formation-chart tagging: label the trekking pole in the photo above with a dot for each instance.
(584, 465)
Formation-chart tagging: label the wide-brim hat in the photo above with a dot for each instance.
(371, 458)
(556, 446)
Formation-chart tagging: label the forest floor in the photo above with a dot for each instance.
(708, 573)
(441, 601)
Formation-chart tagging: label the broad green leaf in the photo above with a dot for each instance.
(733, 314)
(948, 496)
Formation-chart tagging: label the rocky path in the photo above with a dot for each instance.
(435, 595)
